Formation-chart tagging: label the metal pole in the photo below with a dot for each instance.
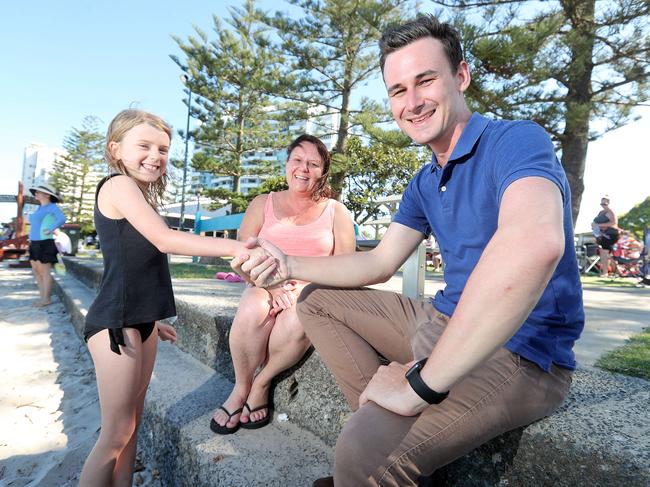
(187, 137)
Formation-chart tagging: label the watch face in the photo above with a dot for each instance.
(416, 367)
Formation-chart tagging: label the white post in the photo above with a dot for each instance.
(413, 273)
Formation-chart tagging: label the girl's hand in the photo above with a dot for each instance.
(166, 332)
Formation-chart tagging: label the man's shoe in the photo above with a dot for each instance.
(324, 482)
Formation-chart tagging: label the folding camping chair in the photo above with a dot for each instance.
(590, 257)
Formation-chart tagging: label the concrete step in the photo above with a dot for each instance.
(175, 431)
(599, 437)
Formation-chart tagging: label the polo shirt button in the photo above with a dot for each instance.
(443, 189)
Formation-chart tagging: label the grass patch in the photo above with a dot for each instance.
(609, 281)
(180, 270)
(633, 358)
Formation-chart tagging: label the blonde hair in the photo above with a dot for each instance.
(117, 129)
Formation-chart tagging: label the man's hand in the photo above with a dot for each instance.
(389, 389)
(263, 270)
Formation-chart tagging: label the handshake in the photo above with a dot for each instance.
(264, 265)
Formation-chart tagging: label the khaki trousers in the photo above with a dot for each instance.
(352, 328)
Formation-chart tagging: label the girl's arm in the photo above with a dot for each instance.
(120, 197)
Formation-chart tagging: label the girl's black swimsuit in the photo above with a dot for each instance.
(136, 288)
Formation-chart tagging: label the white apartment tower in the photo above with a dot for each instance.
(319, 124)
(37, 163)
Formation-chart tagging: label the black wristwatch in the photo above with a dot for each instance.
(419, 386)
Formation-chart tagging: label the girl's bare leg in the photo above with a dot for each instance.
(119, 381)
(123, 474)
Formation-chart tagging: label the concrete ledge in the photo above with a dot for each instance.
(175, 432)
(599, 437)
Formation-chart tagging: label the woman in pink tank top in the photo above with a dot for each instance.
(266, 333)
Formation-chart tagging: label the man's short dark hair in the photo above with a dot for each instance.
(421, 27)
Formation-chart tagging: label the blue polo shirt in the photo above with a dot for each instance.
(459, 205)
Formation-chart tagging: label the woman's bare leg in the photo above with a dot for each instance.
(47, 280)
(248, 338)
(604, 262)
(37, 277)
(118, 383)
(287, 344)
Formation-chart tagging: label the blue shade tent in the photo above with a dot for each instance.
(218, 224)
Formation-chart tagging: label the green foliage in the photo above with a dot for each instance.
(631, 359)
(230, 78)
(77, 173)
(378, 170)
(223, 196)
(275, 184)
(330, 51)
(637, 219)
(179, 270)
(562, 64)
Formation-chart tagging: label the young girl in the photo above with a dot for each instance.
(136, 291)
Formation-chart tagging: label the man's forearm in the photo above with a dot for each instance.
(501, 292)
(346, 270)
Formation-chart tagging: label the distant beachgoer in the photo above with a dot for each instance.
(42, 249)
(606, 230)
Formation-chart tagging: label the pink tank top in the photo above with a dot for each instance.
(313, 239)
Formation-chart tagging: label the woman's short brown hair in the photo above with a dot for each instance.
(322, 189)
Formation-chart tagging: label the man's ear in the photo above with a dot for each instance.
(463, 76)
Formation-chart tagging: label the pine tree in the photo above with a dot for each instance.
(331, 52)
(378, 169)
(576, 67)
(77, 173)
(230, 78)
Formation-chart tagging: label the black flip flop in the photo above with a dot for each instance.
(225, 430)
(253, 425)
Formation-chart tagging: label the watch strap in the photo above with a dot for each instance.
(420, 387)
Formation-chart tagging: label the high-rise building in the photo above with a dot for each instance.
(37, 163)
(321, 124)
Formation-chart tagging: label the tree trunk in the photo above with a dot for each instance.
(337, 180)
(575, 138)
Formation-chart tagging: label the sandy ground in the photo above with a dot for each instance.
(49, 411)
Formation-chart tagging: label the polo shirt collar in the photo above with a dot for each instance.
(471, 133)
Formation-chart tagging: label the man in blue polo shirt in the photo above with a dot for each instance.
(493, 350)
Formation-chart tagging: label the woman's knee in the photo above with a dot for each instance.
(290, 325)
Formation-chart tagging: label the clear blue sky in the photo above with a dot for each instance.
(64, 60)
